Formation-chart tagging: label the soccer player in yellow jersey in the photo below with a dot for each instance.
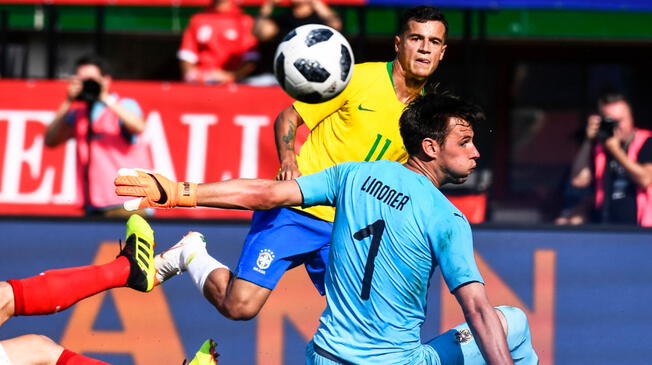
(360, 124)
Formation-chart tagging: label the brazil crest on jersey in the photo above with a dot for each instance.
(360, 124)
(392, 228)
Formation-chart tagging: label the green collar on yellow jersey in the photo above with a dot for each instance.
(390, 64)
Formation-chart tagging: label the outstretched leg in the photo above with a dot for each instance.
(55, 290)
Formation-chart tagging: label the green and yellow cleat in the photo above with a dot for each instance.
(139, 250)
(206, 354)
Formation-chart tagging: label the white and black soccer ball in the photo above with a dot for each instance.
(313, 63)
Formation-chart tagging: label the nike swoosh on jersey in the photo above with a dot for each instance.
(360, 107)
(164, 195)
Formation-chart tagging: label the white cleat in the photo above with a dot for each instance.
(175, 260)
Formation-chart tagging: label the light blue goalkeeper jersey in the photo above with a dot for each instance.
(392, 228)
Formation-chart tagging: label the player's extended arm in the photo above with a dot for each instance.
(484, 322)
(153, 190)
(252, 194)
(285, 132)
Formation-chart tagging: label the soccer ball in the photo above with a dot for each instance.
(313, 63)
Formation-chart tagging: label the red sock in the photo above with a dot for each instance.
(72, 358)
(56, 290)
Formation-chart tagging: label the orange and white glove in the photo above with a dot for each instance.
(153, 190)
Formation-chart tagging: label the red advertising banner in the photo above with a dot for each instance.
(194, 133)
(162, 2)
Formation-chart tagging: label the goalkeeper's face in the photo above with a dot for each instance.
(458, 154)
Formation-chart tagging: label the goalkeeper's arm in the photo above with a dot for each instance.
(156, 191)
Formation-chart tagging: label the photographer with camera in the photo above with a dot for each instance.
(112, 141)
(616, 158)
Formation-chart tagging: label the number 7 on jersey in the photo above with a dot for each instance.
(375, 230)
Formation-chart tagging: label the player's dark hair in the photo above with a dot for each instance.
(428, 116)
(94, 60)
(422, 14)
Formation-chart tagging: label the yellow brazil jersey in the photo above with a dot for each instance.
(360, 124)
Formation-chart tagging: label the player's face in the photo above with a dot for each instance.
(420, 48)
(458, 154)
(621, 112)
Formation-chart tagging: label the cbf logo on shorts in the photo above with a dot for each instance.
(265, 258)
(463, 336)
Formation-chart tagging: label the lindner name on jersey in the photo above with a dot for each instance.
(385, 193)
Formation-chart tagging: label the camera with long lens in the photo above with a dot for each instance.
(90, 91)
(607, 127)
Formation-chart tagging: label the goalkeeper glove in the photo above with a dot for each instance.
(153, 190)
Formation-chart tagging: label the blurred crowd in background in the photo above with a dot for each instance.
(565, 91)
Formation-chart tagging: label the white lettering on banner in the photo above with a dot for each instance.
(249, 152)
(197, 142)
(154, 136)
(16, 154)
(69, 176)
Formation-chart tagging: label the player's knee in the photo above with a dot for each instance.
(518, 327)
(41, 348)
(38, 341)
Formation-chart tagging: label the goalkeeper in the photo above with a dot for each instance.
(392, 229)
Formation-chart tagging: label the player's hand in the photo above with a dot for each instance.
(153, 190)
(592, 126)
(288, 171)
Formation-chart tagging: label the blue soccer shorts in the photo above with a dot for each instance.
(281, 239)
